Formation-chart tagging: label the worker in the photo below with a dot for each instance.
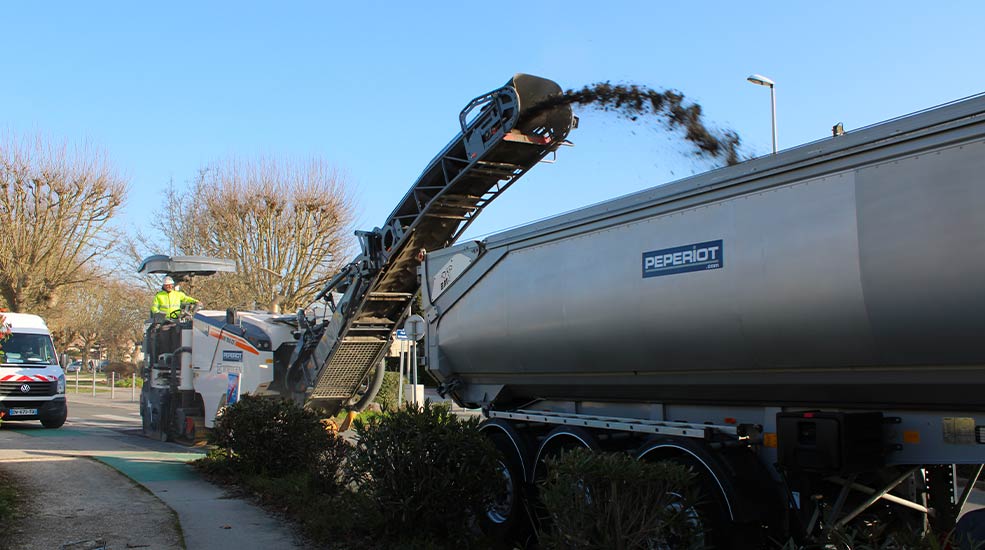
(169, 300)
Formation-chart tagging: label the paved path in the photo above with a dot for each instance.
(73, 502)
(108, 432)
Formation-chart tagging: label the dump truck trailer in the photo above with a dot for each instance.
(805, 329)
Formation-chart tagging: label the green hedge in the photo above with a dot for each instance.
(275, 436)
(413, 479)
(122, 370)
(424, 474)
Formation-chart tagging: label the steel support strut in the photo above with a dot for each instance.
(876, 495)
(972, 480)
(850, 484)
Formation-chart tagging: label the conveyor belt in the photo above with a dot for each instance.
(496, 147)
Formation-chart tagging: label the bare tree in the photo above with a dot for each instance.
(4, 330)
(286, 224)
(54, 206)
(105, 312)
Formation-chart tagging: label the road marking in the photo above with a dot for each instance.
(46, 458)
(133, 418)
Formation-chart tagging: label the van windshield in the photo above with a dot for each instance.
(32, 350)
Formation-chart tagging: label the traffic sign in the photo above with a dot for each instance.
(414, 326)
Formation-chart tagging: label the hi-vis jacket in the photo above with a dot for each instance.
(165, 302)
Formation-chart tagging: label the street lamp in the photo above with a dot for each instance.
(763, 81)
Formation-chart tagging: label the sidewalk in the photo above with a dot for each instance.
(207, 516)
(79, 503)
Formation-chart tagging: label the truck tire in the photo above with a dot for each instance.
(560, 439)
(506, 521)
(711, 510)
(557, 441)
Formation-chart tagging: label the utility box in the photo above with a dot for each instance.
(830, 442)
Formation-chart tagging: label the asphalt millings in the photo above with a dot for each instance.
(635, 103)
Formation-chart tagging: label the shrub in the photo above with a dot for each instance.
(387, 397)
(122, 370)
(424, 471)
(262, 435)
(612, 501)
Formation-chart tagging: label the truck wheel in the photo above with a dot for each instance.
(710, 515)
(560, 439)
(54, 422)
(506, 519)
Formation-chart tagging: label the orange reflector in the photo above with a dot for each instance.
(730, 420)
(769, 440)
(911, 437)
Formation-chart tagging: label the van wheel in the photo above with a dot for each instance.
(53, 423)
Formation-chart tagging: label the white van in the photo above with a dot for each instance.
(32, 384)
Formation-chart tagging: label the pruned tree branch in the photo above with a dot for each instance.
(285, 223)
(54, 207)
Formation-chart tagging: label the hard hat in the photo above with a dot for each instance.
(168, 281)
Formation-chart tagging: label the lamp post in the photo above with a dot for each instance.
(763, 81)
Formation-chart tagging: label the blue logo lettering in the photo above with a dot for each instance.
(683, 259)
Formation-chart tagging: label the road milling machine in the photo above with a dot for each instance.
(330, 355)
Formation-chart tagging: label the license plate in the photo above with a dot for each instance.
(23, 412)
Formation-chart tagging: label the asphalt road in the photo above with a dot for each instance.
(119, 415)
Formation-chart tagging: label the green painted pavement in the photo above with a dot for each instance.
(150, 466)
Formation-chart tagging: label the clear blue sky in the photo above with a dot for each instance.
(375, 87)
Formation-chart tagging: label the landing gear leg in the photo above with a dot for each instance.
(941, 485)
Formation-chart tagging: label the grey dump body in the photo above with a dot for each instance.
(848, 272)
